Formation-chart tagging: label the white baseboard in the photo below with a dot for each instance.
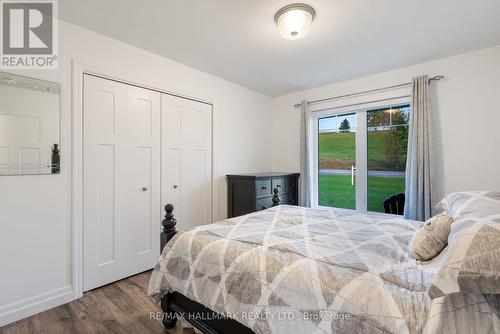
(36, 304)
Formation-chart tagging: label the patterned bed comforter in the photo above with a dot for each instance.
(298, 270)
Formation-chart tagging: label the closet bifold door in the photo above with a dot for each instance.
(187, 159)
(121, 180)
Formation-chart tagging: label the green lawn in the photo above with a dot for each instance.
(343, 145)
(334, 145)
(338, 151)
(380, 188)
(337, 191)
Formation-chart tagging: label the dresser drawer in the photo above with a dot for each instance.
(263, 188)
(264, 203)
(280, 184)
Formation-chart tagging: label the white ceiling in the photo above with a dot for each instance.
(238, 41)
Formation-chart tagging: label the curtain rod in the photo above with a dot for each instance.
(435, 78)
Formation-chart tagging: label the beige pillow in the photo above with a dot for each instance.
(432, 237)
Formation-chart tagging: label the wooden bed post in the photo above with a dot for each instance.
(168, 226)
(169, 317)
(276, 197)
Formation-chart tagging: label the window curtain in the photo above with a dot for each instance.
(306, 159)
(419, 160)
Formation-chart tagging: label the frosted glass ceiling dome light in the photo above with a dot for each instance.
(294, 21)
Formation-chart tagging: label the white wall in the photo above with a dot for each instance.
(465, 115)
(35, 211)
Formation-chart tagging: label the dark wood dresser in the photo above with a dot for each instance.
(254, 192)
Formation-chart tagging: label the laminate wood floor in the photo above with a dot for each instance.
(120, 307)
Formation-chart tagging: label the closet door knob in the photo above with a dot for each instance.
(176, 186)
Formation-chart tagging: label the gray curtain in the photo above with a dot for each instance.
(305, 155)
(418, 192)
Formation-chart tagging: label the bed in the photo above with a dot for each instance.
(291, 269)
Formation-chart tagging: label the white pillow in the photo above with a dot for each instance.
(432, 237)
(459, 203)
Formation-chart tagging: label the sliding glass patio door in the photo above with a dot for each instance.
(337, 161)
(360, 155)
(387, 143)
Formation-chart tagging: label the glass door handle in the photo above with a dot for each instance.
(353, 168)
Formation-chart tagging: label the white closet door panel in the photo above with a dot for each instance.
(105, 202)
(143, 234)
(144, 129)
(172, 160)
(143, 117)
(195, 189)
(195, 131)
(144, 113)
(172, 109)
(121, 180)
(103, 195)
(172, 153)
(106, 98)
(187, 160)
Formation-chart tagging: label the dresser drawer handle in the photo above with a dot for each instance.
(264, 188)
(278, 186)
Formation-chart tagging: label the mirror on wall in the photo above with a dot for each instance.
(29, 126)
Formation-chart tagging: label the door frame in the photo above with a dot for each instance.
(360, 154)
(360, 110)
(78, 71)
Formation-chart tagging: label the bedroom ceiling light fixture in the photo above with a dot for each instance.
(294, 21)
